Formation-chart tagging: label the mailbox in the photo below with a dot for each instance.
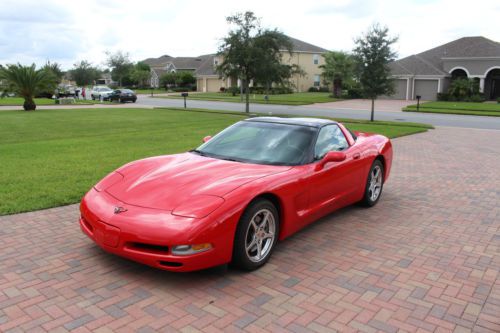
(184, 94)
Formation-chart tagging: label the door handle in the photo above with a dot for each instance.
(356, 156)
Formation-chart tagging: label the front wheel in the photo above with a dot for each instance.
(256, 235)
(374, 184)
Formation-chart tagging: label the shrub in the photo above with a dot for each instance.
(498, 100)
(180, 89)
(443, 97)
(324, 89)
(233, 90)
(477, 98)
(312, 89)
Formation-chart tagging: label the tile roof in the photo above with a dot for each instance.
(430, 62)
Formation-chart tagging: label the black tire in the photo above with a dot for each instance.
(243, 258)
(370, 198)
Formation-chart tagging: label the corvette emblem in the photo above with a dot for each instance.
(119, 210)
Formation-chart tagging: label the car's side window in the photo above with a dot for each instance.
(330, 138)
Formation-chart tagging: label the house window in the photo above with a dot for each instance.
(316, 59)
(317, 80)
(216, 61)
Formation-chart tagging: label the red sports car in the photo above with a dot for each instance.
(231, 199)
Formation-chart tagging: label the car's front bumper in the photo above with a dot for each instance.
(148, 235)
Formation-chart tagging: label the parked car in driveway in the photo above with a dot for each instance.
(123, 95)
(101, 93)
(232, 198)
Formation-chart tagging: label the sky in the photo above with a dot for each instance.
(34, 31)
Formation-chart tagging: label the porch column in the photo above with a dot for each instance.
(204, 84)
(481, 84)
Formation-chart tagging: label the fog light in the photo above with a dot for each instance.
(183, 250)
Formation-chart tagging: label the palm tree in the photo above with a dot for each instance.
(337, 69)
(26, 82)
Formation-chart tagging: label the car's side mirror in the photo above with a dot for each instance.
(205, 139)
(331, 156)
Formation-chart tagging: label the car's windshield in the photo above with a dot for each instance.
(261, 143)
(128, 91)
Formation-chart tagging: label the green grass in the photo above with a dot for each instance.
(465, 108)
(18, 101)
(286, 99)
(52, 157)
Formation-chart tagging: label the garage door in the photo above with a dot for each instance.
(399, 90)
(427, 89)
(213, 85)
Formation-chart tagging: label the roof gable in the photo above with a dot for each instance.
(430, 62)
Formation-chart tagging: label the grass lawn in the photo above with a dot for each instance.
(18, 101)
(467, 108)
(51, 157)
(286, 99)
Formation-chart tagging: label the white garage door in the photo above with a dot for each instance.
(427, 89)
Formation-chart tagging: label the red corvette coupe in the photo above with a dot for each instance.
(232, 198)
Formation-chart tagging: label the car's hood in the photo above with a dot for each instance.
(165, 182)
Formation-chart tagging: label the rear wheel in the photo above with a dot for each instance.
(374, 184)
(256, 235)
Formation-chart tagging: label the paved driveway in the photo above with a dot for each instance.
(426, 258)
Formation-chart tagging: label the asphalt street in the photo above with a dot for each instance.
(448, 120)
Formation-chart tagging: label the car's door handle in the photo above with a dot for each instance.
(356, 156)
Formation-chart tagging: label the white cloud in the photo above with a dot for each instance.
(62, 31)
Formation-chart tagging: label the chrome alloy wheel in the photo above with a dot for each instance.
(375, 183)
(260, 235)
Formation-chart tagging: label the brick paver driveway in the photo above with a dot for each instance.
(426, 258)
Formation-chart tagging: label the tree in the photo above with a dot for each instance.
(269, 46)
(84, 73)
(141, 74)
(373, 53)
(55, 69)
(184, 78)
(248, 47)
(168, 79)
(338, 68)
(120, 65)
(27, 82)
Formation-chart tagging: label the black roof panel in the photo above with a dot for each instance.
(311, 122)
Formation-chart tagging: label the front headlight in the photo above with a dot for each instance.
(184, 250)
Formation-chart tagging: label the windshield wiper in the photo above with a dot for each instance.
(199, 152)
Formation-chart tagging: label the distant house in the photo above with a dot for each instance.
(428, 73)
(106, 80)
(309, 57)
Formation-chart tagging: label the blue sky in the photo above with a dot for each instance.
(69, 31)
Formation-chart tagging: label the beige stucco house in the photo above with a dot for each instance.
(428, 73)
(309, 57)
